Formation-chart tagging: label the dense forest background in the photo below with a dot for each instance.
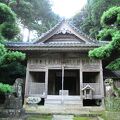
(88, 19)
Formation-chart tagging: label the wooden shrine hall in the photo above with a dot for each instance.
(59, 71)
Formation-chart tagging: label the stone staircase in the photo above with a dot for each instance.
(70, 105)
(65, 100)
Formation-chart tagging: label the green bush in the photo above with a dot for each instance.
(6, 14)
(112, 104)
(112, 16)
(5, 88)
(10, 56)
(114, 65)
(101, 52)
(9, 31)
(106, 34)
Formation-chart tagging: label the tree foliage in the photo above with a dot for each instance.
(8, 27)
(88, 20)
(111, 17)
(8, 30)
(9, 72)
(6, 88)
(110, 21)
(6, 14)
(34, 14)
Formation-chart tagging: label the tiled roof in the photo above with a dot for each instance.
(58, 25)
(83, 41)
(80, 32)
(46, 33)
(53, 44)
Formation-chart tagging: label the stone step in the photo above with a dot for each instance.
(58, 97)
(62, 117)
(52, 102)
(66, 100)
(72, 102)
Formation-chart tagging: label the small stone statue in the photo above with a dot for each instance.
(14, 100)
(18, 87)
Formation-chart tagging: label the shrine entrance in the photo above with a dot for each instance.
(65, 82)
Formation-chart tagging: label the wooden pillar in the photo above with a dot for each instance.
(46, 82)
(101, 83)
(62, 82)
(81, 81)
(102, 86)
(27, 81)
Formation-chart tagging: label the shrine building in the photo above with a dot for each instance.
(59, 71)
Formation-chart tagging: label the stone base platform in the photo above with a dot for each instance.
(63, 109)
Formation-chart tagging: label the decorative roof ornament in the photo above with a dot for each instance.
(64, 31)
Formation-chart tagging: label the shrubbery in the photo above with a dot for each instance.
(112, 104)
(5, 88)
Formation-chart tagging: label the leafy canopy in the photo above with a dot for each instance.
(6, 14)
(111, 17)
(8, 30)
(8, 27)
(88, 20)
(34, 14)
(110, 20)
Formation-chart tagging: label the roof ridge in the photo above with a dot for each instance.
(67, 21)
(81, 32)
(50, 30)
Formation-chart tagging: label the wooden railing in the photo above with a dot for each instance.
(95, 86)
(36, 88)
